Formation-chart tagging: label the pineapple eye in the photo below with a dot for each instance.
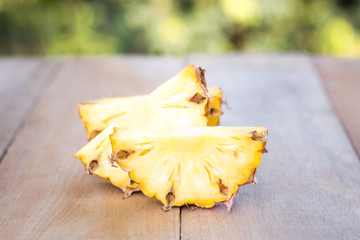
(214, 112)
(264, 150)
(256, 136)
(93, 134)
(198, 98)
(131, 180)
(222, 188)
(170, 199)
(92, 166)
(123, 154)
(200, 72)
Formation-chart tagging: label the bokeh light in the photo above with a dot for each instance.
(88, 27)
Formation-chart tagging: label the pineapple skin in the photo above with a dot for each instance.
(196, 165)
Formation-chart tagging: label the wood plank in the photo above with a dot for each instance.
(44, 192)
(341, 78)
(21, 82)
(309, 181)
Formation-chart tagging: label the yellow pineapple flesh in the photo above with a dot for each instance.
(181, 101)
(215, 106)
(99, 114)
(96, 156)
(195, 165)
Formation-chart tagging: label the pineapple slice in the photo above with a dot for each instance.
(99, 114)
(181, 101)
(196, 165)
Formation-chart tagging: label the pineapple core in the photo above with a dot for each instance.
(196, 165)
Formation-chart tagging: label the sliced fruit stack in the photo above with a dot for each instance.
(168, 145)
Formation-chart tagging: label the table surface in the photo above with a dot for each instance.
(308, 184)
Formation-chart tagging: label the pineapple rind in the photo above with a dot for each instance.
(191, 163)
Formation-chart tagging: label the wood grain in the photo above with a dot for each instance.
(21, 83)
(309, 181)
(341, 78)
(44, 191)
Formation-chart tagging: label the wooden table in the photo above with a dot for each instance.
(309, 182)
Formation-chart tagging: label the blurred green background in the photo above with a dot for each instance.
(85, 27)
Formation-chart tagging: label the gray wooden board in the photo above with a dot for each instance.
(21, 82)
(309, 182)
(44, 191)
(341, 78)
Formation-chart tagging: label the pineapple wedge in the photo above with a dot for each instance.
(96, 156)
(181, 101)
(196, 165)
(99, 114)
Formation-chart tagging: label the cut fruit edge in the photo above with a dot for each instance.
(255, 136)
(114, 104)
(114, 108)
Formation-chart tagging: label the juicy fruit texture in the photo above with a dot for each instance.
(196, 165)
(96, 156)
(99, 114)
(160, 144)
(181, 101)
(215, 106)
